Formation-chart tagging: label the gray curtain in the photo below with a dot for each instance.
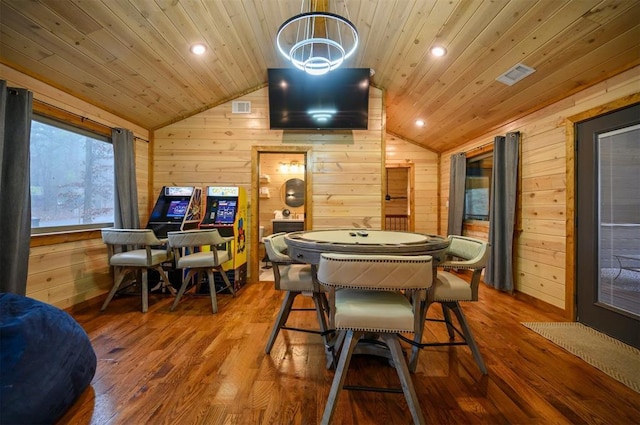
(502, 211)
(126, 190)
(458, 177)
(15, 193)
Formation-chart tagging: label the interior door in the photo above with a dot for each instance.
(399, 204)
(608, 224)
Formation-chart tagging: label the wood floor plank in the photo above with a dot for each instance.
(193, 367)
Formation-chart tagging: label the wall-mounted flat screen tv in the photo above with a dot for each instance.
(337, 100)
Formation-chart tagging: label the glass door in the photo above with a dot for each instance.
(608, 224)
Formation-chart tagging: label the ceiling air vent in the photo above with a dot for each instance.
(241, 107)
(515, 74)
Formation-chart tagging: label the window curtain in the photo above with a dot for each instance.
(499, 271)
(126, 195)
(458, 176)
(15, 191)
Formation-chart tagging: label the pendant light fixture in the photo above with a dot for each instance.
(317, 41)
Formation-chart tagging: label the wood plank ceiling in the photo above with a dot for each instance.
(131, 57)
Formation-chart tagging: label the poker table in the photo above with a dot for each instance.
(307, 246)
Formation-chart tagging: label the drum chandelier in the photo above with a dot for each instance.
(317, 41)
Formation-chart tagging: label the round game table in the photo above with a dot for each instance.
(307, 246)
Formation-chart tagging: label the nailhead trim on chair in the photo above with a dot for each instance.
(373, 259)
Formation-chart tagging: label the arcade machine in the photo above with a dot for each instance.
(226, 211)
(177, 208)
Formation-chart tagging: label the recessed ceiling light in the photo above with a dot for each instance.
(420, 123)
(198, 49)
(438, 51)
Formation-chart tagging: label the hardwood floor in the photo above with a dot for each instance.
(192, 367)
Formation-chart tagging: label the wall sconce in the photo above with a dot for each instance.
(293, 167)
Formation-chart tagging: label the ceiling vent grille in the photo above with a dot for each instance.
(241, 107)
(515, 74)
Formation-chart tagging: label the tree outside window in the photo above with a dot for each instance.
(72, 177)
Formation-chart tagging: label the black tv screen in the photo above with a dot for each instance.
(337, 100)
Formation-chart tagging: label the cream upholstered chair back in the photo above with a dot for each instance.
(466, 252)
(137, 237)
(276, 248)
(392, 272)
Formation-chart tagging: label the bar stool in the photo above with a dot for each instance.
(295, 279)
(463, 253)
(187, 249)
(379, 294)
(135, 251)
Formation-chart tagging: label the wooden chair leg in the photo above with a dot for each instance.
(226, 281)
(468, 336)
(350, 342)
(405, 378)
(119, 275)
(417, 337)
(212, 291)
(183, 288)
(165, 280)
(145, 291)
(322, 323)
(447, 319)
(281, 320)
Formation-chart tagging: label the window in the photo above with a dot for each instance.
(72, 177)
(478, 187)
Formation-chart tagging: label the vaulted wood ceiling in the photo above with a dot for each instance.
(131, 57)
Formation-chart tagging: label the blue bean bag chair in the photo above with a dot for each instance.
(46, 361)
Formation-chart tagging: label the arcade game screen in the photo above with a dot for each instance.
(177, 209)
(226, 213)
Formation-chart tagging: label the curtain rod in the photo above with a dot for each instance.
(490, 143)
(82, 118)
(481, 146)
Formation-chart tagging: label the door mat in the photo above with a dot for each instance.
(615, 358)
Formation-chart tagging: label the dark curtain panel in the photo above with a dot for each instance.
(126, 196)
(15, 193)
(458, 177)
(502, 211)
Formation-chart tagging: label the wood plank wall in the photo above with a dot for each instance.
(425, 169)
(347, 177)
(74, 270)
(214, 148)
(541, 252)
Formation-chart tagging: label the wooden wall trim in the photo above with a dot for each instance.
(538, 303)
(76, 120)
(254, 265)
(570, 123)
(63, 237)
